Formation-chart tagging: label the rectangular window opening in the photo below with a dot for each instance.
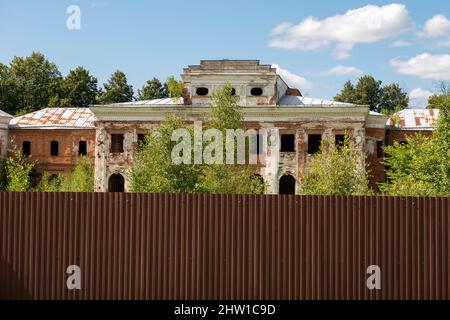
(26, 148)
(380, 149)
(339, 140)
(116, 143)
(82, 148)
(54, 148)
(314, 141)
(287, 143)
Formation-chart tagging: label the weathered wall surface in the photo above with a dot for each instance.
(375, 137)
(393, 135)
(181, 246)
(3, 142)
(40, 140)
(108, 163)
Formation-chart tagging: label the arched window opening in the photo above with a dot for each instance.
(287, 185)
(116, 183)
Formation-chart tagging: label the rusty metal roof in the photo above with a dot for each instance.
(56, 118)
(414, 119)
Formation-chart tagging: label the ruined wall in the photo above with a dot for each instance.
(375, 138)
(3, 142)
(294, 163)
(40, 140)
(108, 163)
(243, 75)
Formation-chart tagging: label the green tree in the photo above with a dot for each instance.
(367, 92)
(174, 87)
(153, 89)
(9, 98)
(347, 93)
(392, 99)
(421, 167)
(153, 169)
(28, 83)
(49, 183)
(78, 89)
(18, 172)
(116, 90)
(81, 178)
(3, 176)
(336, 170)
(228, 178)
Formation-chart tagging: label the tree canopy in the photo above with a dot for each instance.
(154, 170)
(117, 89)
(421, 167)
(153, 89)
(336, 170)
(369, 91)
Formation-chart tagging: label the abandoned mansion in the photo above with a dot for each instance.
(109, 134)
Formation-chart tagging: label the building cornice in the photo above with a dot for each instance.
(250, 113)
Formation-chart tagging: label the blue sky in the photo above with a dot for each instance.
(317, 44)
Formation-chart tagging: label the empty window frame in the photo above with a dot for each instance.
(202, 91)
(82, 148)
(256, 91)
(379, 149)
(314, 141)
(116, 143)
(140, 139)
(54, 148)
(339, 140)
(26, 148)
(287, 143)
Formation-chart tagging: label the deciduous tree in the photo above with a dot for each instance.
(336, 170)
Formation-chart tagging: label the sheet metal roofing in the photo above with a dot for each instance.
(286, 100)
(289, 100)
(56, 118)
(153, 102)
(418, 119)
(4, 114)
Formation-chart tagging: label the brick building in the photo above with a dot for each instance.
(295, 126)
(54, 137)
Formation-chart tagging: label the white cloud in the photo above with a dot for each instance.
(418, 97)
(363, 25)
(425, 65)
(292, 79)
(339, 71)
(400, 43)
(437, 28)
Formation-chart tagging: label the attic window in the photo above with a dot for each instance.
(202, 91)
(256, 92)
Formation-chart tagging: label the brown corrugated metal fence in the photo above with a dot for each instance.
(181, 246)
